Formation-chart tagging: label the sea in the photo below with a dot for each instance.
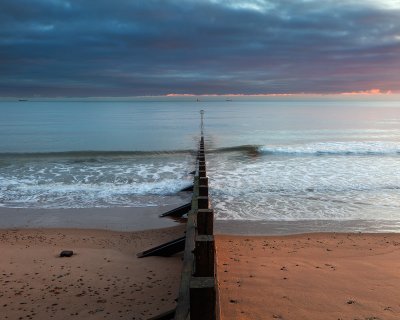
(268, 159)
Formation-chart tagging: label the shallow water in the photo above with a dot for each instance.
(269, 160)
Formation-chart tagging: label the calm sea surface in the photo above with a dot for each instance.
(268, 160)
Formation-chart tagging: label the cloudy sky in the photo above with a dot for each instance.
(146, 47)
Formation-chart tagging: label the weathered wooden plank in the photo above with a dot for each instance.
(166, 249)
(202, 202)
(189, 188)
(204, 256)
(169, 315)
(202, 298)
(205, 221)
(180, 211)
(202, 173)
(183, 306)
(203, 181)
(203, 191)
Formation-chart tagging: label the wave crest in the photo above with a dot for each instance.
(335, 148)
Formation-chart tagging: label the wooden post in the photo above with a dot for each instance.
(205, 221)
(202, 202)
(202, 298)
(202, 166)
(203, 181)
(203, 191)
(202, 173)
(204, 256)
(202, 124)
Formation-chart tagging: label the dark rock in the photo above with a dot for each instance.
(66, 253)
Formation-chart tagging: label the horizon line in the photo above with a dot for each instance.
(369, 92)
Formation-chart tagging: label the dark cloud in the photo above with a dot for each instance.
(133, 47)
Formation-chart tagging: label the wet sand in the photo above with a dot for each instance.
(309, 276)
(269, 228)
(103, 279)
(118, 219)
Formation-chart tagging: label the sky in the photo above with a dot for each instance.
(119, 48)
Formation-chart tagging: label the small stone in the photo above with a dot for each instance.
(351, 302)
(66, 253)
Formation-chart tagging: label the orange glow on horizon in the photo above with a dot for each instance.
(368, 92)
(374, 91)
(232, 95)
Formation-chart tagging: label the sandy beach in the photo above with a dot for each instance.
(102, 280)
(310, 276)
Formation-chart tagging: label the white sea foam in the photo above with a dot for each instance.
(299, 186)
(137, 181)
(336, 148)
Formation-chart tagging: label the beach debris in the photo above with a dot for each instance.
(66, 253)
(351, 302)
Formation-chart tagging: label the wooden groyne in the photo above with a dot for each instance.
(197, 297)
(197, 291)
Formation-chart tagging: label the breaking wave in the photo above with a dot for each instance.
(335, 148)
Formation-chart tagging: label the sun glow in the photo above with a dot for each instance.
(368, 92)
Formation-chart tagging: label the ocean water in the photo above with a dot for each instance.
(268, 160)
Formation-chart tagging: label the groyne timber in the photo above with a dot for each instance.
(197, 292)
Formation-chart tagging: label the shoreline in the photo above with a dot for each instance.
(126, 219)
(278, 228)
(122, 219)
